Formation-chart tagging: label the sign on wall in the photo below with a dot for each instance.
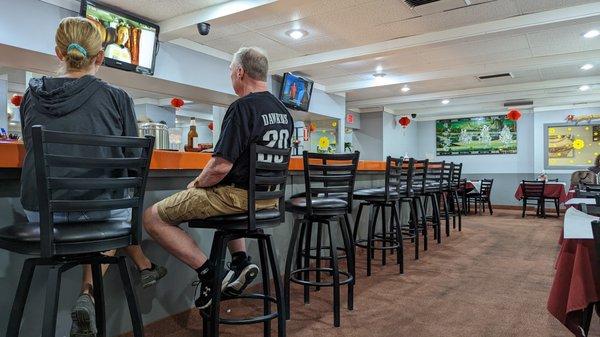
(477, 135)
(571, 146)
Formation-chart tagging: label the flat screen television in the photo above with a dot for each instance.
(295, 91)
(130, 43)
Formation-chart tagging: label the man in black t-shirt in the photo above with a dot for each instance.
(256, 117)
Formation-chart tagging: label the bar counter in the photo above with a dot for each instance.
(12, 153)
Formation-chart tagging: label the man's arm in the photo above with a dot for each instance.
(216, 169)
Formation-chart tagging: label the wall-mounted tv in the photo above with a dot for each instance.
(296, 91)
(130, 43)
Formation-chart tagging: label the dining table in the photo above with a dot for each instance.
(576, 286)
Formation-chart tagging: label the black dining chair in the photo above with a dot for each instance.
(481, 197)
(329, 185)
(533, 191)
(268, 173)
(62, 246)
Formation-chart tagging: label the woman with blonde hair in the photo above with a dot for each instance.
(77, 101)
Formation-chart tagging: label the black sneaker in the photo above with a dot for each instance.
(83, 315)
(240, 275)
(203, 286)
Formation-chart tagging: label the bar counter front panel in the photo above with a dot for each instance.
(171, 172)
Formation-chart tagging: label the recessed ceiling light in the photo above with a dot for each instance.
(591, 34)
(584, 87)
(379, 75)
(587, 66)
(296, 34)
(446, 101)
(405, 89)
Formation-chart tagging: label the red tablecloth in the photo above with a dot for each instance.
(576, 282)
(551, 191)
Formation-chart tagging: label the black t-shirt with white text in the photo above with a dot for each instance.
(258, 117)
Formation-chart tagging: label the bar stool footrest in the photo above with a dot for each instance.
(293, 278)
(249, 320)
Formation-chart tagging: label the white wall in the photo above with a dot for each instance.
(399, 141)
(369, 138)
(521, 162)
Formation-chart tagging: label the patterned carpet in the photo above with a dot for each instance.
(491, 279)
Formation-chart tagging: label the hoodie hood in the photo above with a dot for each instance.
(58, 96)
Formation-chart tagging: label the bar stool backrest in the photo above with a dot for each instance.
(130, 174)
(456, 175)
(331, 175)
(447, 175)
(268, 176)
(486, 187)
(435, 176)
(533, 188)
(393, 176)
(420, 176)
(407, 176)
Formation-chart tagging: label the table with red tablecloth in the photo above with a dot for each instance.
(551, 191)
(576, 283)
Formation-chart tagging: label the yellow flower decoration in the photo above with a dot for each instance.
(324, 143)
(551, 131)
(578, 144)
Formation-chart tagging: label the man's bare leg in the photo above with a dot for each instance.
(238, 245)
(87, 284)
(177, 242)
(139, 258)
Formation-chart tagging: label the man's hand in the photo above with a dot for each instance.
(216, 169)
(192, 183)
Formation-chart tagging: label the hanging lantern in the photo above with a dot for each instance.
(16, 100)
(211, 126)
(312, 127)
(513, 115)
(404, 121)
(177, 103)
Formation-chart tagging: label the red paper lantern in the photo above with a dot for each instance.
(177, 102)
(312, 127)
(211, 126)
(16, 100)
(404, 121)
(513, 115)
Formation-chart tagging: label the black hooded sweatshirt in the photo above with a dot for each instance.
(83, 105)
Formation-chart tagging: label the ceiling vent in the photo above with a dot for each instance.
(514, 104)
(415, 3)
(494, 76)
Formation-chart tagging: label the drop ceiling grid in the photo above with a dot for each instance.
(157, 10)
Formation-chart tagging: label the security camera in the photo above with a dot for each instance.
(203, 28)
(413, 115)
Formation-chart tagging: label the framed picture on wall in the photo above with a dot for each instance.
(570, 146)
(477, 135)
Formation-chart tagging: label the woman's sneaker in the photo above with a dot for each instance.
(149, 277)
(240, 275)
(83, 315)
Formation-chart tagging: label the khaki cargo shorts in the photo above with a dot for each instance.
(201, 203)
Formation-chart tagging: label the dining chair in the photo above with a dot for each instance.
(533, 190)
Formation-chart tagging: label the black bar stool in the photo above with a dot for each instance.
(329, 181)
(445, 195)
(266, 181)
(434, 188)
(63, 246)
(378, 199)
(418, 221)
(455, 200)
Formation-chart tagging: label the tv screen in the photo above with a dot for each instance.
(295, 91)
(129, 43)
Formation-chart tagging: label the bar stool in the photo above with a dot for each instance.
(434, 188)
(325, 176)
(412, 188)
(63, 246)
(445, 195)
(266, 181)
(455, 201)
(378, 199)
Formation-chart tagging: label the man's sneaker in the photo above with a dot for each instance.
(83, 315)
(149, 277)
(240, 275)
(203, 287)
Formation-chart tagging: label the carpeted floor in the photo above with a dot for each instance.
(491, 279)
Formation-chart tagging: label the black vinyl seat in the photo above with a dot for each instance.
(63, 246)
(378, 200)
(266, 181)
(325, 176)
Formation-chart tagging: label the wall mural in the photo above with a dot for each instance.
(477, 135)
(572, 145)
